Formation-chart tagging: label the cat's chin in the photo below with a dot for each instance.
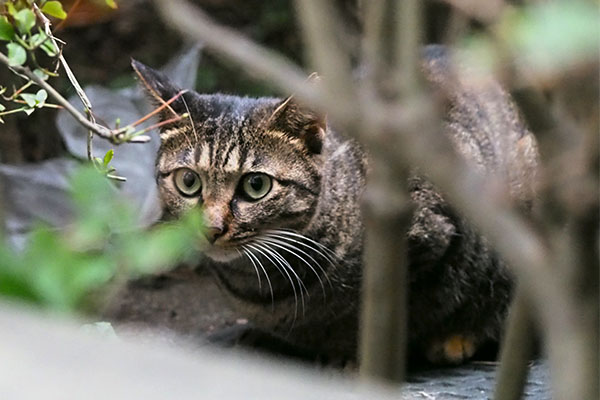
(221, 255)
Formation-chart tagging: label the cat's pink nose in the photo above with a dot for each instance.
(212, 233)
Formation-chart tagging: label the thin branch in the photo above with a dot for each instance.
(322, 33)
(164, 105)
(99, 130)
(87, 104)
(409, 20)
(258, 61)
(484, 11)
(374, 12)
(517, 349)
(388, 209)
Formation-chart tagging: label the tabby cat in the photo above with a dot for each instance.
(281, 192)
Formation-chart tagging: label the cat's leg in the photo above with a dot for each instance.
(458, 290)
(431, 230)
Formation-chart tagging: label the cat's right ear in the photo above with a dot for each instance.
(161, 91)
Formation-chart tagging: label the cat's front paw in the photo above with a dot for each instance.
(453, 349)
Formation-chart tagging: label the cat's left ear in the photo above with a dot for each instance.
(299, 121)
(160, 90)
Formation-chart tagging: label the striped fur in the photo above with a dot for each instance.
(293, 260)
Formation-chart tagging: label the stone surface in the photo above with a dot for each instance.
(474, 381)
(188, 302)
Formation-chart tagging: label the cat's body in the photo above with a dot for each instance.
(291, 256)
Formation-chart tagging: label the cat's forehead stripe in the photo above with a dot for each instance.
(203, 156)
(231, 160)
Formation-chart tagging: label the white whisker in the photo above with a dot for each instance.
(332, 256)
(290, 249)
(308, 246)
(254, 260)
(286, 265)
(284, 272)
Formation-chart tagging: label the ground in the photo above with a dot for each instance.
(188, 302)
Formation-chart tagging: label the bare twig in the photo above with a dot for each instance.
(259, 61)
(484, 11)
(322, 33)
(408, 33)
(383, 321)
(384, 334)
(114, 136)
(164, 105)
(373, 14)
(98, 129)
(87, 104)
(517, 349)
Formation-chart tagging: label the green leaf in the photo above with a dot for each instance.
(29, 99)
(25, 20)
(40, 74)
(49, 48)
(35, 100)
(54, 9)
(40, 97)
(2, 108)
(7, 32)
(108, 157)
(111, 4)
(37, 39)
(16, 54)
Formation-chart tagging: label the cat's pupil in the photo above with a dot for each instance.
(189, 179)
(256, 183)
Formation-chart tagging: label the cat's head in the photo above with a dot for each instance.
(250, 164)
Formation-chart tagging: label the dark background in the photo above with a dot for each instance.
(100, 43)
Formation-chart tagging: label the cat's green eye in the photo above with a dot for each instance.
(256, 186)
(187, 182)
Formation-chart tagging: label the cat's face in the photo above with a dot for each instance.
(250, 164)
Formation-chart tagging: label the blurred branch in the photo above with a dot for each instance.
(191, 22)
(388, 210)
(517, 349)
(484, 11)
(322, 33)
(384, 313)
(373, 12)
(408, 24)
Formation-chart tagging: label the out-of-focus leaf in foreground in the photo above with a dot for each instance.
(62, 268)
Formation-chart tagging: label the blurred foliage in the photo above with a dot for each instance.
(544, 40)
(27, 43)
(71, 268)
